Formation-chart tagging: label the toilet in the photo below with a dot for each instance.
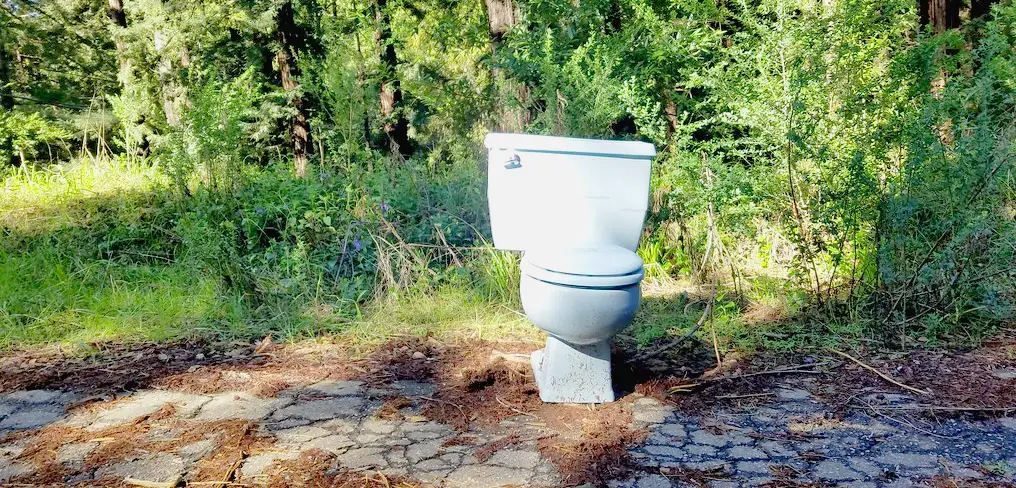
(575, 208)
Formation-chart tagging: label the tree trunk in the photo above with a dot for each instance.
(6, 99)
(126, 73)
(286, 33)
(941, 15)
(170, 89)
(980, 8)
(119, 18)
(501, 16)
(393, 119)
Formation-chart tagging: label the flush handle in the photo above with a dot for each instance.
(513, 162)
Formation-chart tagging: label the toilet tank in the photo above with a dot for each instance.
(548, 191)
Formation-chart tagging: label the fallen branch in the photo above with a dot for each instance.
(879, 373)
(675, 342)
(938, 408)
(792, 370)
(152, 484)
(750, 395)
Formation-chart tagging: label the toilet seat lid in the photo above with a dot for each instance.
(599, 267)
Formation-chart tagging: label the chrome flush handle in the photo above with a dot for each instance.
(513, 162)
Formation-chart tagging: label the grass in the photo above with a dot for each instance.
(77, 267)
(88, 253)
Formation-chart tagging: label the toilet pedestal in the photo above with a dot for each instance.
(569, 373)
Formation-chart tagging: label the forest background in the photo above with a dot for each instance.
(828, 170)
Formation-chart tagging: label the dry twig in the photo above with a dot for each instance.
(879, 373)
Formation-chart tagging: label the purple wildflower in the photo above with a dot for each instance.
(384, 207)
(357, 244)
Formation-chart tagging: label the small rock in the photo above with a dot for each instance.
(865, 466)
(298, 435)
(697, 450)
(423, 450)
(419, 355)
(199, 356)
(197, 450)
(337, 388)
(163, 357)
(74, 454)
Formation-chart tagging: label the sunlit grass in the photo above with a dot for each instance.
(447, 313)
(45, 297)
(35, 201)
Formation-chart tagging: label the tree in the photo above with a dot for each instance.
(289, 38)
(501, 16)
(6, 99)
(941, 15)
(393, 117)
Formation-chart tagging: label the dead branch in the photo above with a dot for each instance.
(790, 370)
(879, 373)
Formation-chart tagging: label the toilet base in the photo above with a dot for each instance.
(569, 373)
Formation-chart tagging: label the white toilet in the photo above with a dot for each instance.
(575, 207)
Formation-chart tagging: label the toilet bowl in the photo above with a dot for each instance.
(581, 298)
(575, 208)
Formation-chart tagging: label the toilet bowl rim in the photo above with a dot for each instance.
(582, 281)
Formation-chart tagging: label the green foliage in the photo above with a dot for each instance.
(29, 135)
(839, 171)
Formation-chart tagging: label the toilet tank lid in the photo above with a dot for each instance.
(593, 261)
(570, 145)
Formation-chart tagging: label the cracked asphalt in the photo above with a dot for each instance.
(791, 437)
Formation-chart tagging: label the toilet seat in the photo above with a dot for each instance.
(595, 267)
